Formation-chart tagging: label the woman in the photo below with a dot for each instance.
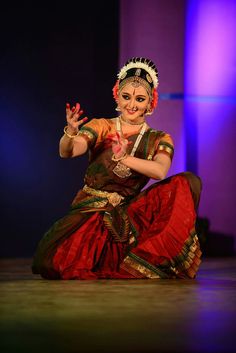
(115, 230)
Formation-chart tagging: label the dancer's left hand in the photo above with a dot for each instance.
(119, 145)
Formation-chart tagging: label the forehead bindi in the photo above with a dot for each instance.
(135, 91)
(140, 91)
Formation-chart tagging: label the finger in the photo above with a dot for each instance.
(112, 137)
(85, 119)
(80, 122)
(117, 149)
(77, 111)
(69, 115)
(118, 137)
(77, 106)
(113, 140)
(80, 112)
(75, 114)
(67, 106)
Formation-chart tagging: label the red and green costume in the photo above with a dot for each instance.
(150, 234)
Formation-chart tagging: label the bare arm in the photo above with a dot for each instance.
(72, 147)
(156, 169)
(70, 144)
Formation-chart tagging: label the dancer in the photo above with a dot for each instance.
(114, 228)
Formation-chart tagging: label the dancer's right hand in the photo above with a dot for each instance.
(72, 118)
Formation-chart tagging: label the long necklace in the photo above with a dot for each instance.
(121, 170)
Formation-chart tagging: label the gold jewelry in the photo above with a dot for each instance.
(68, 135)
(140, 63)
(149, 112)
(120, 158)
(129, 122)
(121, 170)
(112, 197)
(136, 81)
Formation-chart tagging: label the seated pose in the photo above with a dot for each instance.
(115, 228)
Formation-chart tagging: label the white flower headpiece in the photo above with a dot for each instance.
(147, 65)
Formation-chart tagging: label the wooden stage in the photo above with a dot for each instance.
(184, 316)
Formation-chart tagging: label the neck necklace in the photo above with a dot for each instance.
(130, 122)
(121, 170)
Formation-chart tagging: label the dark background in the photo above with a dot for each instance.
(50, 55)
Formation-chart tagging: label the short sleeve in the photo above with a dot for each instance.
(94, 131)
(165, 145)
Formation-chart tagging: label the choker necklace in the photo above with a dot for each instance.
(129, 122)
(121, 170)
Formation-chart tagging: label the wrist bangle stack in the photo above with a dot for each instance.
(120, 158)
(67, 134)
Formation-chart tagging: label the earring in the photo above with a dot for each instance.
(149, 112)
(118, 108)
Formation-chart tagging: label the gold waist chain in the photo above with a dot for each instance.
(112, 197)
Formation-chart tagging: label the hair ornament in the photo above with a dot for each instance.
(141, 63)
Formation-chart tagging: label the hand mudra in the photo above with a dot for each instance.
(73, 118)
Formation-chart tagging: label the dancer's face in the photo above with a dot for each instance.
(133, 102)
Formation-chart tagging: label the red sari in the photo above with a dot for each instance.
(150, 234)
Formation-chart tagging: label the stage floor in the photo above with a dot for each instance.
(185, 316)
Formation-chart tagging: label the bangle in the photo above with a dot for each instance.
(119, 159)
(68, 135)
